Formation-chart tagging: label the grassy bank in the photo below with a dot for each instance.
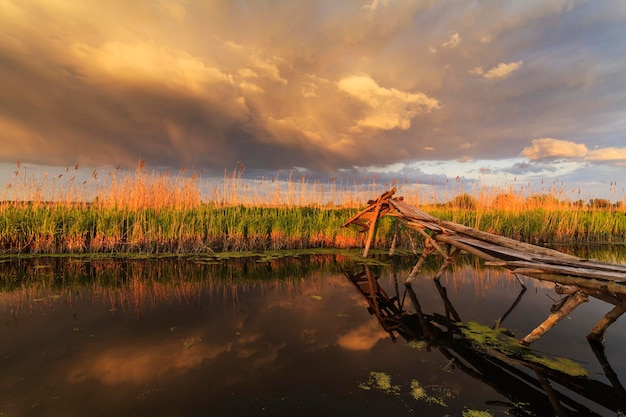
(566, 225)
(207, 228)
(159, 212)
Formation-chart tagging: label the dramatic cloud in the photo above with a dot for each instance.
(322, 86)
(385, 109)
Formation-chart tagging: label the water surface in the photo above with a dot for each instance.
(289, 337)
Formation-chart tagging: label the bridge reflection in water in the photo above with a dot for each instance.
(498, 359)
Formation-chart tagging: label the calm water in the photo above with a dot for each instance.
(289, 337)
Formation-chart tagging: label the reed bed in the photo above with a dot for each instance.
(159, 212)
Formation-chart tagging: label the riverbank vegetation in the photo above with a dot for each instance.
(157, 212)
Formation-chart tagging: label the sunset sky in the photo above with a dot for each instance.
(517, 91)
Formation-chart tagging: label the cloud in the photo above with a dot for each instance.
(616, 155)
(320, 85)
(551, 149)
(385, 108)
(502, 70)
(143, 62)
(453, 41)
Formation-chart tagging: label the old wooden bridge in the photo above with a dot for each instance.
(576, 277)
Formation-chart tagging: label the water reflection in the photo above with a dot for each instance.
(288, 336)
(491, 357)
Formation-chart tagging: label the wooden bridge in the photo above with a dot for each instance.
(577, 277)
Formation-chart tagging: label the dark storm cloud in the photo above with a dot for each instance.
(322, 86)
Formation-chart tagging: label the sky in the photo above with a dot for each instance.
(515, 92)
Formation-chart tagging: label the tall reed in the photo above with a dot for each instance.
(157, 211)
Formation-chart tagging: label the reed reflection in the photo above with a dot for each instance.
(144, 333)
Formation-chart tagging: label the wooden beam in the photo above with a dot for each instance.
(566, 308)
(598, 331)
(450, 240)
(372, 230)
(565, 270)
(504, 241)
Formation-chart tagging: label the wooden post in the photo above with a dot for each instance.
(394, 240)
(598, 331)
(372, 230)
(567, 307)
(426, 251)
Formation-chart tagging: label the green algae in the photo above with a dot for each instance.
(418, 344)
(476, 413)
(433, 394)
(484, 338)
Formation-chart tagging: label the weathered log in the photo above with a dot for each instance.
(504, 241)
(565, 270)
(372, 231)
(420, 263)
(586, 283)
(599, 330)
(450, 240)
(573, 301)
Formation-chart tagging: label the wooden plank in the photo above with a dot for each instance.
(587, 283)
(565, 270)
(412, 212)
(450, 240)
(504, 241)
(494, 249)
(587, 263)
(359, 215)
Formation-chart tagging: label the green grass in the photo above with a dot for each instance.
(206, 228)
(538, 225)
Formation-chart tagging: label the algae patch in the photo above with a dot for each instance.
(434, 395)
(485, 338)
(381, 381)
(476, 413)
(191, 342)
(430, 394)
(418, 344)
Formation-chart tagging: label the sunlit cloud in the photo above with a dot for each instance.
(502, 70)
(385, 108)
(453, 41)
(324, 86)
(148, 63)
(611, 155)
(549, 148)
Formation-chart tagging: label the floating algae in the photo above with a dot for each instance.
(434, 395)
(476, 413)
(380, 381)
(191, 342)
(485, 338)
(418, 344)
(420, 393)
